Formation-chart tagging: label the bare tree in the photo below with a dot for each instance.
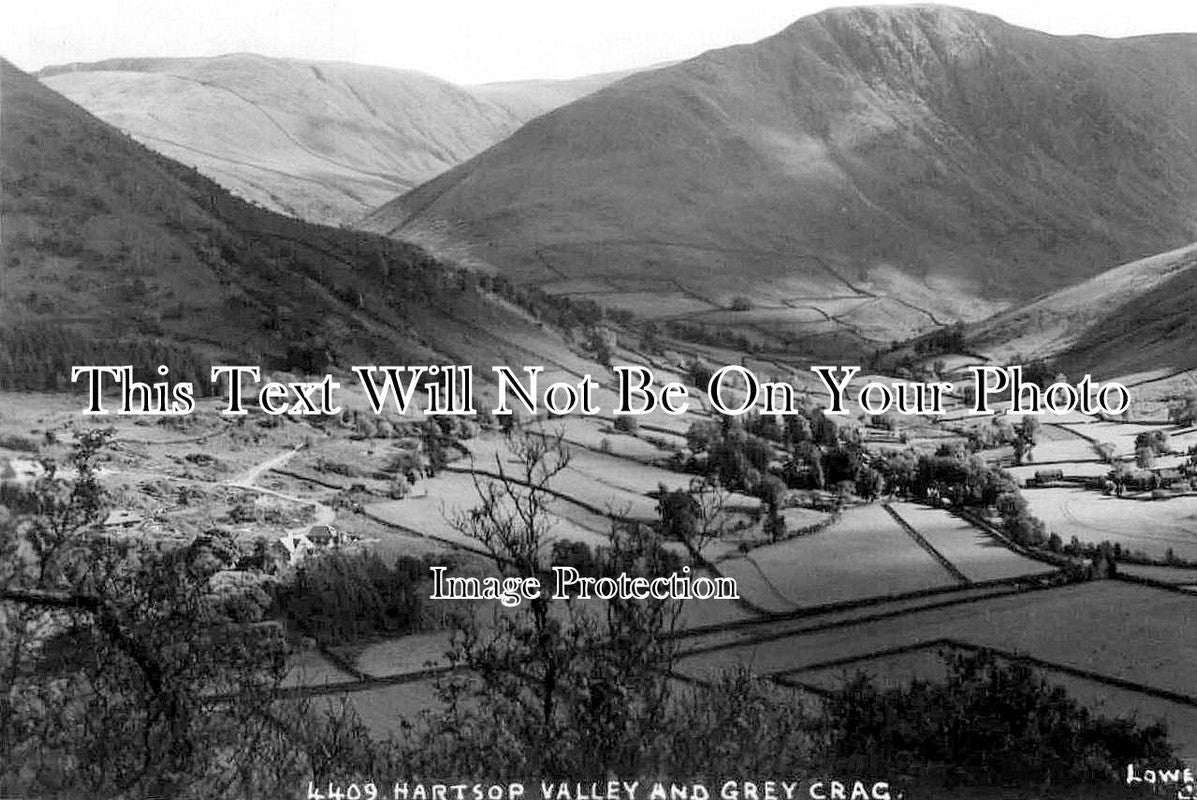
(552, 686)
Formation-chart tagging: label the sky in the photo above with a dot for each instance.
(479, 41)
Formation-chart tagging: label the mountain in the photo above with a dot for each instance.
(919, 164)
(114, 254)
(326, 142)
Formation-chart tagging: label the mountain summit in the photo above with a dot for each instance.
(937, 158)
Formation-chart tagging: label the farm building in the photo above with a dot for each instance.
(297, 545)
(318, 537)
(1044, 477)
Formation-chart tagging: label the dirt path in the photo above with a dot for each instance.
(245, 480)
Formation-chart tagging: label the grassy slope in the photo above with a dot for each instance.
(324, 141)
(1114, 323)
(928, 153)
(114, 242)
(1157, 329)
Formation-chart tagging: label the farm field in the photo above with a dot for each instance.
(307, 667)
(595, 434)
(979, 556)
(1151, 526)
(1072, 448)
(891, 671)
(1120, 630)
(384, 709)
(451, 493)
(864, 554)
(1122, 434)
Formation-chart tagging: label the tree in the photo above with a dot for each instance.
(627, 424)
(991, 722)
(563, 690)
(120, 658)
(869, 483)
(1026, 436)
(434, 449)
(1156, 441)
(1184, 411)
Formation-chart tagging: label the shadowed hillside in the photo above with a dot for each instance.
(1157, 329)
(323, 141)
(113, 252)
(937, 159)
(1118, 322)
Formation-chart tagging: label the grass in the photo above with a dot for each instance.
(1117, 629)
(1152, 526)
(864, 554)
(979, 556)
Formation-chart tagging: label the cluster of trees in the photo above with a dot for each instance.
(948, 339)
(563, 313)
(1149, 445)
(805, 450)
(991, 722)
(340, 598)
(37, 357)
(1184, 411)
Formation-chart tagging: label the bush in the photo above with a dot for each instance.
(20, 444)
(991, 722)
(340, 598)
(627, 424)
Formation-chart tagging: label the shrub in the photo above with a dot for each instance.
(19, 443)
(627, 424)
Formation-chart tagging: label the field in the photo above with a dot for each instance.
(865, 553)
(927, 663)
(1151, 526)
(1129, 633)
(977, 555)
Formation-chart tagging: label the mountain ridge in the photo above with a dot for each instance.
(905, 150)
(321, 140)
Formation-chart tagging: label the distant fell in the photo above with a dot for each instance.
(938, 160)
(323, 141)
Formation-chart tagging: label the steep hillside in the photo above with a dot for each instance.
(1124, 304)
(1155, 330)
(1133, 319)
(114, 253)
(323, 141)
(924, 162)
